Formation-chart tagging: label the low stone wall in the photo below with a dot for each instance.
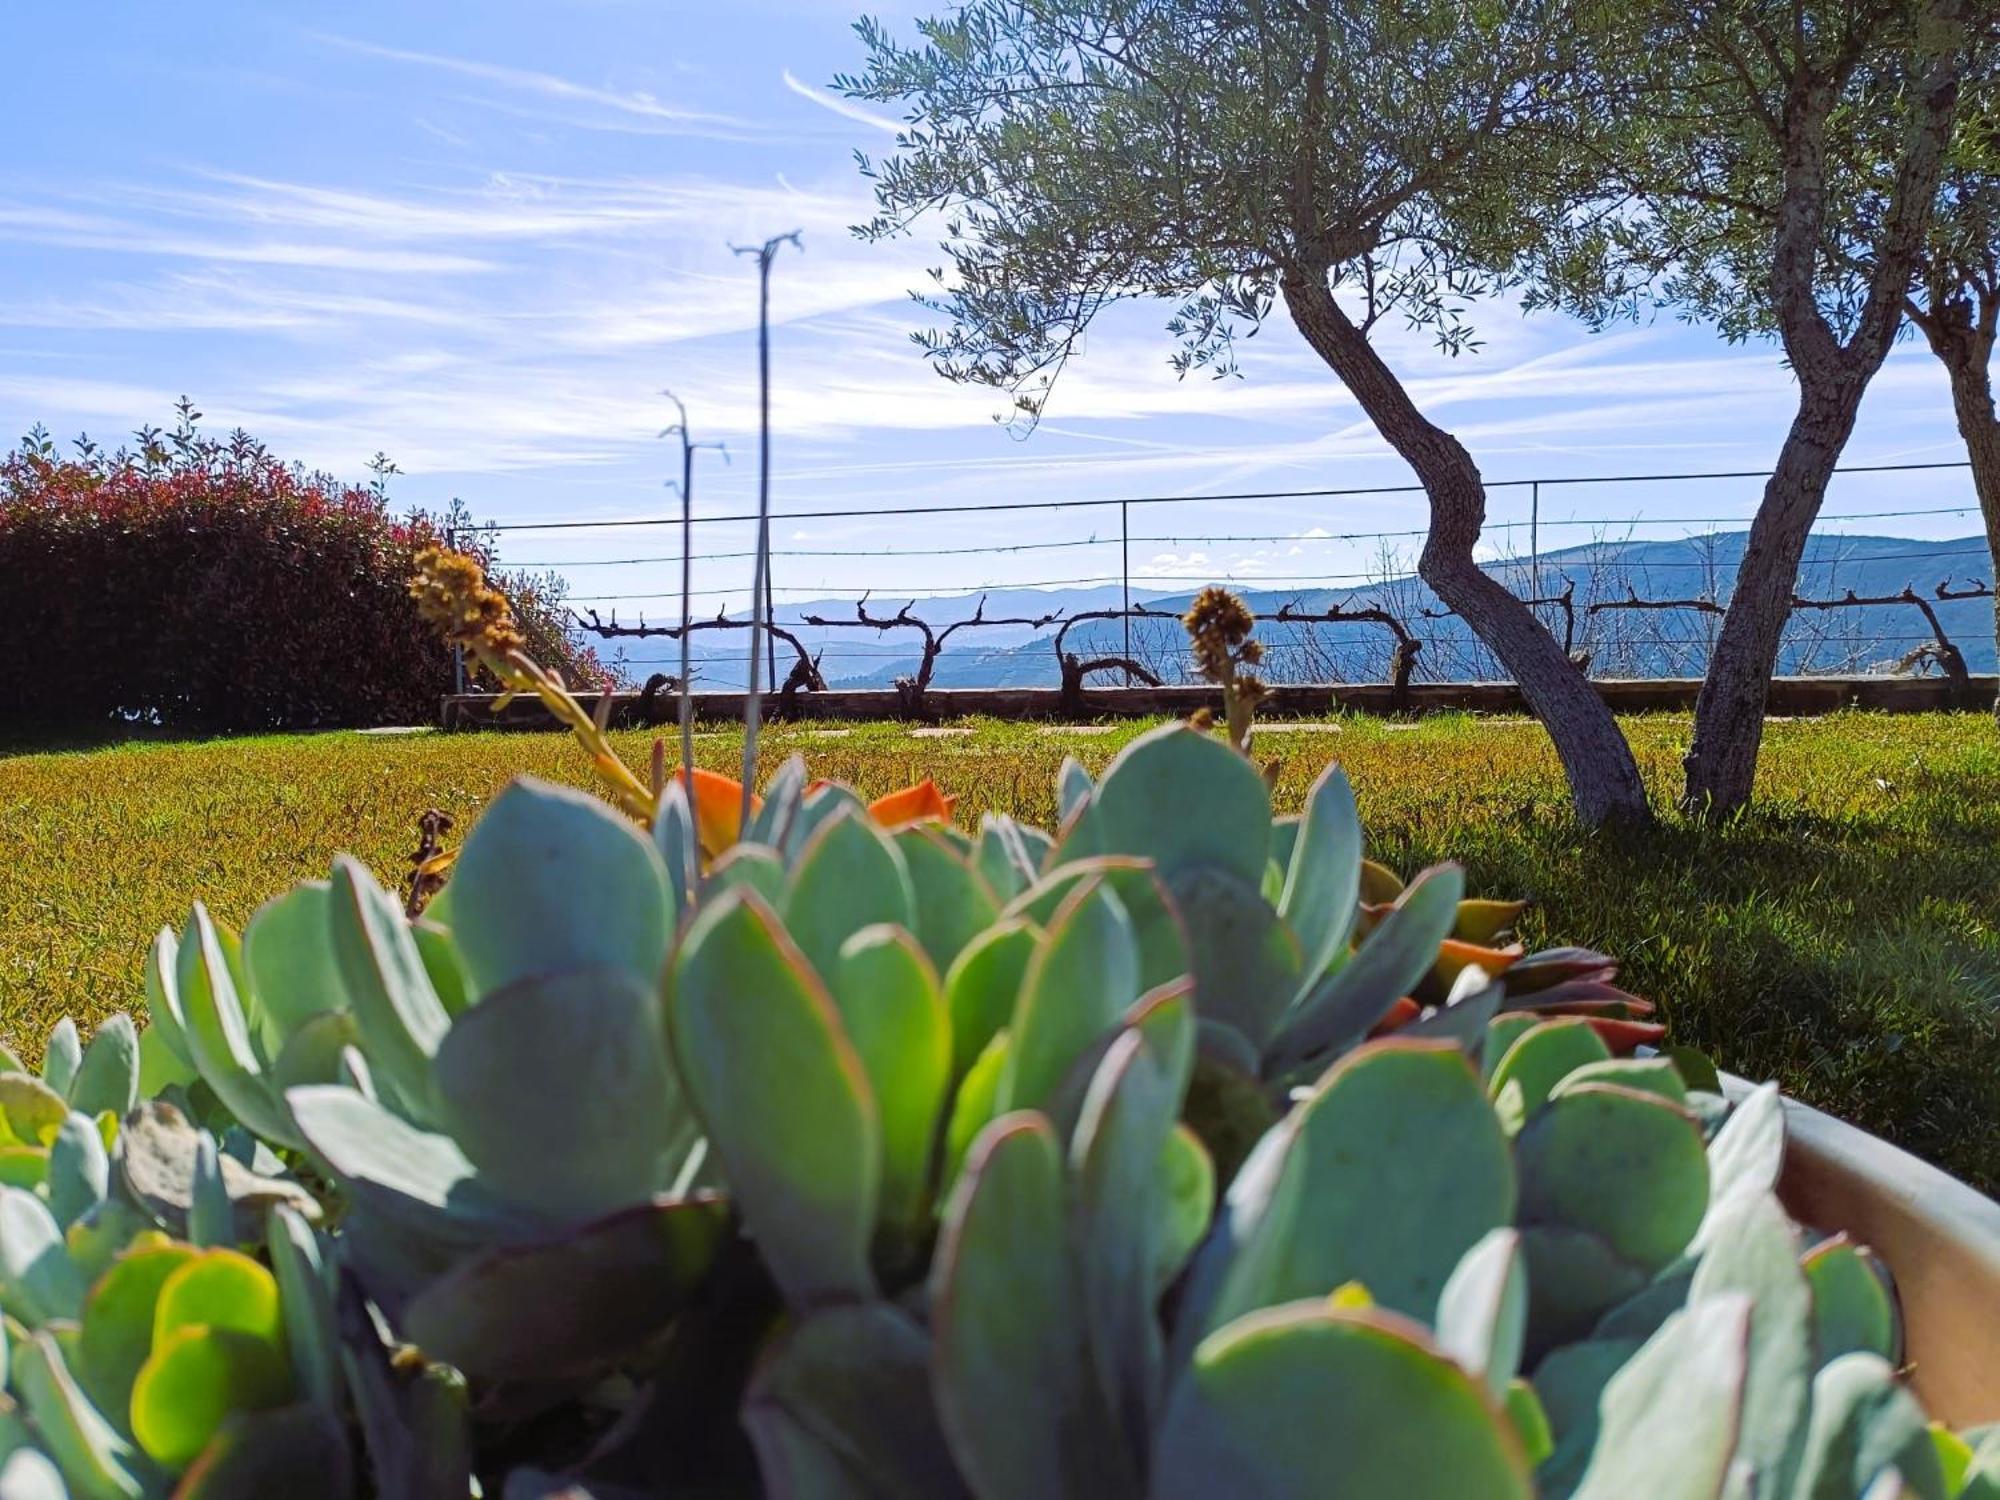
(1790, 697)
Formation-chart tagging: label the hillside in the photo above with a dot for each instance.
(1621, 642)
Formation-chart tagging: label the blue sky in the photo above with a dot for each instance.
(482, 237)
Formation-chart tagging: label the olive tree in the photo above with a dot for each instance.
(1771, 167)
(1352, 160)
(1954, 297)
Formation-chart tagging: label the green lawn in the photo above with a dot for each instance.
(1845, 938)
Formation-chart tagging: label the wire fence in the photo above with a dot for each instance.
(1628, 593)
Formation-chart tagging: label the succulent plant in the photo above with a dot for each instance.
(719, 1144)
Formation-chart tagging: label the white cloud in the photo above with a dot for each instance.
(847, 109)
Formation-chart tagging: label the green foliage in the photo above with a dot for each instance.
(924, 1164)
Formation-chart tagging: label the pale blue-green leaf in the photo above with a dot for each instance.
(1246, 961)
(288, 954)
(954, 903)
(79, 1169)
(1323, 876)
(674, 838)
(1865, 1424)
(62, 1055)
(211, 1219)
(1755, 1252)
(558, 1090)
(402, 1019)
(982, 986)
(38, 1282)
(750, 866)
(1012, 1371)
(1744, 1159)
(553, 879)
(890, 1008)
(1482, 1314)
(1668, 1421)
(163, 995)
(108, 1076)
(787, 1105)
(1181, 798)
(840, 1408)
(1338, 1011)
(1073, 787)
(218, 1033)
(849, 876)
(305, 1295)
(96, 1462)
(1079, 983)
(440, 955)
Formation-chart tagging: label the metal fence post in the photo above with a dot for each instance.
(457, 651)
(1125, 579)
(1535, 540)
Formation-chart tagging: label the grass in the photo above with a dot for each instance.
(1845, 938)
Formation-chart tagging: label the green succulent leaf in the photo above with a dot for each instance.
(1186, 1202)
(117, 1332)
(1323, 874)
(97, 1463)
(1482, 1314)
(193, 1380)
(28, 1475)
(163, 995)
(784, 1095)
(552, 879)
(1001, 856)
(849, 876)
(1669, 1419)
(1865, 1425)
(1246, 961)
(977, 1102)
(38, 1281)
(62, 1056)
(1744, 1159)
(218, 1031)
(1156, 925)
(1386, 1175)
(1569, 1382)
(288, 954)
(575, 1305)
(679, 849)
(1854, 1304)
(1140, 802)
(1302, 1401)
(401, 1017)
(954, 904)
(1081, 980)
(1073, 787)
(750, 866)
(108, 1075)
(305, 1297)
(1624, 1166)
(982, 986)
(1539, 1059)
(1338, 1011)
(558, 1090)
(887, 995)
(1574, 1279)
(1012, 1371)
(79, 1170)
(1121, 1211)
(1755, 1252)
(1645, 1075)
(840, 1408)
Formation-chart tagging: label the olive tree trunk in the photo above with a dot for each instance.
(1603, 777)
(1962, 337)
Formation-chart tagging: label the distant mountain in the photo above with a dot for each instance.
(1621, 642)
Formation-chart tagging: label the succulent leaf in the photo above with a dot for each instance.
(1012, 1370)
(218, 1032)
(1865, 1425)
(1854, 1304)
(62, 1055)
(1323, 874)
(890, 1008)
(1755, 1252)
(306, 1299)
(1542, 1057)
(982, 985)
(1247, 962)
(1669, 1418)
(1156, 924)
(401, 1017)
(1387, 1174)
(1083, 976)
(552, 879)
(97, 1463)
(1482, 1313)
(1339, 1010)
(288, 954)
(558, 1090)
(954, 904)
(38, 1281)
(1624, 1166)
(784, 1096)
(1073, 787)
(840, 1407)
(108, 1075)
(1135, 807)
(850, 875)
(1304, 1400)
(575, 1305)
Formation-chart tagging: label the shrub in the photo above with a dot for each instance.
(196, 584)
